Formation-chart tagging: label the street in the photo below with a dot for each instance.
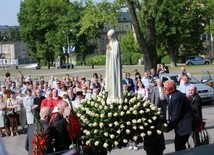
(15, 145)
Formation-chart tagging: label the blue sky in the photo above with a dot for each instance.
(9, 10)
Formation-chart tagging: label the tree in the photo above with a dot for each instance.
(129, 47)
(147, 10)
(179, 26)
(11, 33)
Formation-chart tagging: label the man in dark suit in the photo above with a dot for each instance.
(179, 115)
(196, 103)
(61, 122)
(51, 134)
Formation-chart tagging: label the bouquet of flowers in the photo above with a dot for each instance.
(114, 124)
(73, 125)
(39, 144)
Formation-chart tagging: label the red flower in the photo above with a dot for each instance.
(39, 143)
(73, 126)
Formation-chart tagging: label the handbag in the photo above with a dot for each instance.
(203, 134)
(10, 111)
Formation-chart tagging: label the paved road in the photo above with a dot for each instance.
(15, 145)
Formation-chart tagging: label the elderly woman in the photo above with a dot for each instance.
(13, 105)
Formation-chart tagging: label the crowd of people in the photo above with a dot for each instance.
(46, 101)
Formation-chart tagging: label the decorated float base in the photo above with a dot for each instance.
(109, 124)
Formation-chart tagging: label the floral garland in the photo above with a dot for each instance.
(73, 126)
(114, 124)
(39, 143)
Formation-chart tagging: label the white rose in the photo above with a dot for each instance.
(154, 118)
(135, 112)
(87, 133)
(109, 114)
(135, 106)
(116, 143)
(135, 138)
(131, 109)
(96, 143)
(102, 116)
(128, 112)
(106, 107)
(158, 112)
(88, 142)
(103, 103)
(95, 131)
(134, 127)
(165, 125)
(111, 106)
(110, 125)
(141, 112)
(147, 110)
(149, 120)
(112, 136)
(122, 126)
(149, 133)
(128, 131)
(141, 127)
(92, 104)
(84, 131)
(119, 107)
(100, 107)
(126, 100)
(125, 107)
(142, 135)
(101, 124)
(105, 145)
(139, 121)
(153, 107)
(159, 132)
(116, 123)
(145, 124)
(106, 134)
(118, 131)
(125, 141)
(115, 114)
(134, 121)
(94, 124)
(90, 124)
(122, 113)
(152, 127)
(128, 123)
(96, 105)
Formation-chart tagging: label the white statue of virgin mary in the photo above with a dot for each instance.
(113, 82)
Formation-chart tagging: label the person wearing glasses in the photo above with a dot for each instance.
(179, 115)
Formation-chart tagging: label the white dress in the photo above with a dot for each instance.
(28, 105)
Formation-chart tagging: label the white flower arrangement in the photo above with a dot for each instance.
(110, 124)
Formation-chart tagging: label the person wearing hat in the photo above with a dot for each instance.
(113, 68)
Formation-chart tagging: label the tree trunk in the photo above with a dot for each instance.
(171, 52)
(148, 47)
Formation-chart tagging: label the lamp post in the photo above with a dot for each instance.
(2, 57)
(210, 43)
(68, 47)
